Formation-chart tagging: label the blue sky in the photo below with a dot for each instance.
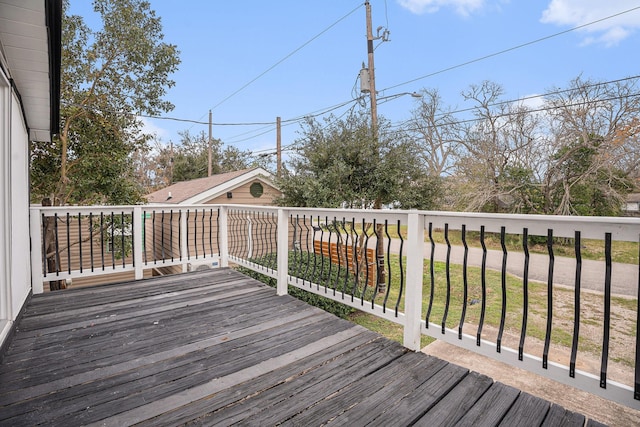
(304, 57)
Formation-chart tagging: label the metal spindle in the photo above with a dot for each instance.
(162, 243)
(306, 271)
(483, 283)
(547, 338)
(153, 237)
(607, 310)
(204, 251)
(102, 239)
(55, 228)
(113, 241)
(465, 283)
(80, 240)
(68, 244)
(122, 239)
(576, 306)
(91, 238)
(503, 281)
(448, 275)
(399, 265)
(388, 290)
(187, 237)
(45, 265)
(180, 233)
(144, 237)
(432, 276)
(171, 233)
(346, 256)
(354, 259)
(525, 293)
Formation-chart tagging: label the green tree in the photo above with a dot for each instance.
(338, 163)
(109, 76)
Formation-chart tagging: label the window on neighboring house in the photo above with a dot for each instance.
(256, 189)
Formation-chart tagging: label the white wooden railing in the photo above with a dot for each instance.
(351, 255)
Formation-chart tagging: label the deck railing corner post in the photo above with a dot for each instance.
(413, 296)
(283, 252)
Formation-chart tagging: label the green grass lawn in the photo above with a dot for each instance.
(562, 330)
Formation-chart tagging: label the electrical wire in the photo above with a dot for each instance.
(529, 43)
(285, 58)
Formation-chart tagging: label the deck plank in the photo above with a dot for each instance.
(219, 348)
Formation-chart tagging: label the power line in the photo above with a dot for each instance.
(285, 58)
(491, 55)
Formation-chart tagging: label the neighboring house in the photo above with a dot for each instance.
(244, 187)
(632, 205)
(30, 33)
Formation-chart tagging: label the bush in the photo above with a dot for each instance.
(298, 265)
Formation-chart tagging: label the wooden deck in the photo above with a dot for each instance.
(218, 348)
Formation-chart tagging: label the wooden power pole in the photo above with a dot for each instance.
(377, 204)
(209, 168)
(279, 147)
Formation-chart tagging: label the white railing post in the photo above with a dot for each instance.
(37, 284)
(283, 252)
(137, 242)
(183, 240)
(223, 232)
(413, 295)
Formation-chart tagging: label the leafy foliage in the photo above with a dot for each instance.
(340, 163)
(298, 266)
(109, 76)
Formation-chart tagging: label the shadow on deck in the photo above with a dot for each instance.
(218, 348)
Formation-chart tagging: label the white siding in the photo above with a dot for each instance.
(15, 268)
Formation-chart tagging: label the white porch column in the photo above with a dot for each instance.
(283, 251)
(138, 250)
(413, 295)
(37, 285)
(223, 232)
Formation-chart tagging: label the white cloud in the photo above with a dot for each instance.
(573, 13)
(462, 7)
(150, 128)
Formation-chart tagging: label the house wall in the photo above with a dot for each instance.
(242, 196)
(15, 266)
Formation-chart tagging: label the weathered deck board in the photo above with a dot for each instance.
(218, 348)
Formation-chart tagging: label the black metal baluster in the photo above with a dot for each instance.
(113, 241)
(102, 238)
(483, 283)
(335, 283)
(91, 238)
(195, 232)
(133, 241)
(55, 228)
(388, 290)
(68, 244)
(122, 239)
(365, 254)
(503, 282)
(448, 276)
(45, 265)
(576, 306)
(218, 232)
(211, 231)
(180, 233)
(354, 259)
(204, 249)
(346, 257)
(187, 237)
(154, 250)
(306, 271)
(162, 244)
(375, 276)
(171, 234)
(465, 282)
(607, 310)
(432, 275)
(525, 293)
(320, 279)
(401, 268)
(547, 339)
(80, 239)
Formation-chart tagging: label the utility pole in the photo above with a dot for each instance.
(377, 204)
(279, 146)
(210, 153)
